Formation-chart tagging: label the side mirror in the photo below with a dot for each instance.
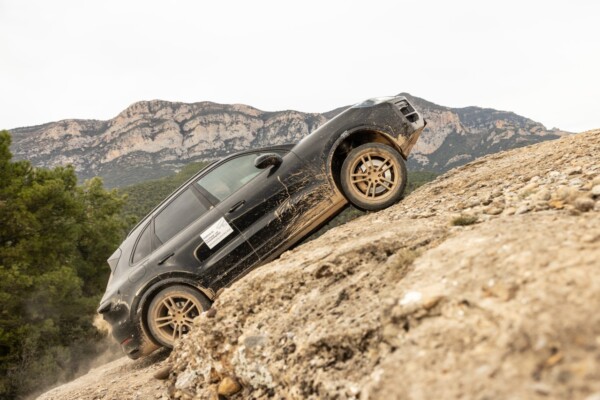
(266, 160)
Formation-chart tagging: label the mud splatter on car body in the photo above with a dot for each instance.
(244, 211)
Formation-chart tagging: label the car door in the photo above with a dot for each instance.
(268, 204)
(192, 234)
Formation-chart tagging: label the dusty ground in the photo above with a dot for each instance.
(119, 379)
(483, 284)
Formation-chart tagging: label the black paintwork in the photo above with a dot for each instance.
(295, 193)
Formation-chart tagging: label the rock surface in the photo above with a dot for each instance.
(154, 138)
(406, 303)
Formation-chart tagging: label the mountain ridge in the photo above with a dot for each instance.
(154, 138)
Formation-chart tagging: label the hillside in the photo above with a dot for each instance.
(481, 284)
(152, 139)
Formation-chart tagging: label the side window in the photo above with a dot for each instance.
(229, 177)
(178, 214)
(143, 246)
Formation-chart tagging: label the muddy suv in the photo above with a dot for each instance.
(244, 211)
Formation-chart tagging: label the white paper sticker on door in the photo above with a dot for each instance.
(216, 233)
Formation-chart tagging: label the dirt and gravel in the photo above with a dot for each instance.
(482, 284)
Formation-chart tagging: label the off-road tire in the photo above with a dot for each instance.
(171, 313)
(373, 176)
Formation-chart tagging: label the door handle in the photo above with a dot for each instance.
(161, 262)
(236, 206)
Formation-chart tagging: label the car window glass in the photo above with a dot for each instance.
(143, 246)
(229, 177)
(177, 215)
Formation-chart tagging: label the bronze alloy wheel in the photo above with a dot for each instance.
(172, 312)
(373, 176)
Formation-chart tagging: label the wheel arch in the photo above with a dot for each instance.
(145, 295)
(353, 138)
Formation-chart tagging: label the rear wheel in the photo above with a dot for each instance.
(172, 312)
(373, 176)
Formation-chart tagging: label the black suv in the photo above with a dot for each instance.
(244, 211)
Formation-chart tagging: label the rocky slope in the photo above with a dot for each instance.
(482, 284)
(153, 138)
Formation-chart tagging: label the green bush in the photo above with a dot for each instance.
(464, 220)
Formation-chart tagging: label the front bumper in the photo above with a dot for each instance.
(414, 123)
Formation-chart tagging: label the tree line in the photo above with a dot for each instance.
(55, 237)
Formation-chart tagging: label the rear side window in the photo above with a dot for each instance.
(176, 216)
(143, 246)
(229, 177)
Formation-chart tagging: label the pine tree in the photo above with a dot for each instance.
(54, 239)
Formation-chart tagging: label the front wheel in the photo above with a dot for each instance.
(373, 176)
(172, 312)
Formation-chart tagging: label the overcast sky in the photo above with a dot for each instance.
(91, 59)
